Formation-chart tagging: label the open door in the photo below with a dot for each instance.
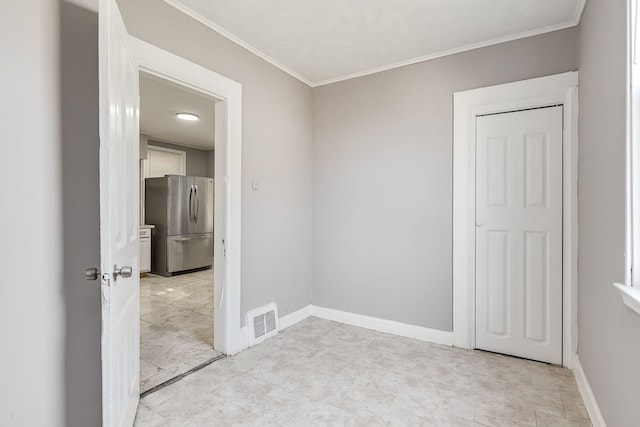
(119, 157)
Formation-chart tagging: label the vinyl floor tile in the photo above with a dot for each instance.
(321, 373)
(176, 326)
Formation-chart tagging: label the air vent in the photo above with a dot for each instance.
(262, 323)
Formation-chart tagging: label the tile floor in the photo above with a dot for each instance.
(323, 373)
(176, 325)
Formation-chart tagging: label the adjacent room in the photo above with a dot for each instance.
(326, 213)
(176, 230)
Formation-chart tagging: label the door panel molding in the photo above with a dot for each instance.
(560, 89)
(531, 278)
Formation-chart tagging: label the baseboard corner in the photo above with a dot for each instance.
(292, 318)
(383, 325)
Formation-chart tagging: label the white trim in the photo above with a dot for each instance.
(587, 394)
(630, 296)
(227, 34)
(244, 338)
(632, 175)
(577, 15)
(295, 317)
(441, 54)
(228, 337)
(631, 122)
(383, 325)
(367, 322)
(557, 89)
(224, 33)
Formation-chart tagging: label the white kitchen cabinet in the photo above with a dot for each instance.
(145, 249)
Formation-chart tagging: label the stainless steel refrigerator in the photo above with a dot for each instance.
(181, 208)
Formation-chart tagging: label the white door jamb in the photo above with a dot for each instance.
(544, 91)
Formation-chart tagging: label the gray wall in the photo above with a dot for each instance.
(382, 178)
(81, 213)
(608, 342)
(276, 138)
(196, 159)
(32, 314)
(382, 122)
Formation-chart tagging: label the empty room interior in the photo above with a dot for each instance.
(321, 213)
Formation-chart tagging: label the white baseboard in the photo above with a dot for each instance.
(587, 394)
(382, 325)
(244, 341)
(374, 323)
(292, 318)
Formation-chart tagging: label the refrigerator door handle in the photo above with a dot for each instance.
(197, 205)
(191, 204)
(195, 201)
(189, 238)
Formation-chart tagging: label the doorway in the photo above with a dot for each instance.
(555, 90)
(156, 62)
(519, 233)
(176, 231)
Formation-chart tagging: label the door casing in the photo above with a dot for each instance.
(228, 337)
(543, 91)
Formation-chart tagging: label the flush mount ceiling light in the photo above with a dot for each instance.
(188, 117)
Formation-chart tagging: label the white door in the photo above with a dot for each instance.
(519, 234)
(119, 154)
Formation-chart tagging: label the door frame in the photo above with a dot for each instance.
(228, 131)
(467, 105)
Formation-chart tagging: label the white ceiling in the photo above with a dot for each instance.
(159, 103)
(323, 41)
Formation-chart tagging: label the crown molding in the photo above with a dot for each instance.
(577, 16)
(441, 54)
(223, 32)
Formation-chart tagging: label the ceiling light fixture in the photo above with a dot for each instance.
(188, 117)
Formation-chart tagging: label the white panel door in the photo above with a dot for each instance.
(119, 149)
(519, 234)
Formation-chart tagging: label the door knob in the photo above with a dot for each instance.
(479, 224)
(91, 274)
(125, 272)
